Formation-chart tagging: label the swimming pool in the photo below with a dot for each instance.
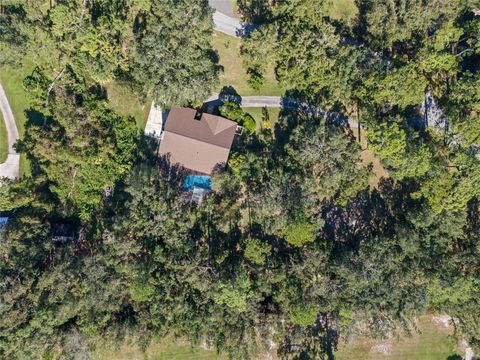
(199, 181)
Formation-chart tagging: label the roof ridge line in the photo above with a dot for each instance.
(189, 137)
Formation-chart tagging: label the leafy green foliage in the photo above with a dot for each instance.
(232, 296)
(256, 251)
(403, 87)
(325, 161)
(258, 53)
(174, 63)
(300, 234)
(451, 189)
(141, 290)
(13, 33)
(403, 157)
(389, 22)
(303, 315)
(292, 245)
(80, 145)
(96, 36)
(306, 48)
(232, 111)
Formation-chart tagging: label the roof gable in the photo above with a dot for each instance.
(199, 144)
(216, 123)
(210, 129)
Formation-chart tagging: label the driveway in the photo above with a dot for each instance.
(280, 102)
(233, 27)
(10, 168)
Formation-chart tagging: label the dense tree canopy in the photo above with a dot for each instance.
(75, 143)
(13, 36)
(174, 62)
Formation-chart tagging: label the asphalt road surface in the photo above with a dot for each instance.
(279, 102)
(227, 24)
(223, 6)
(10, 168)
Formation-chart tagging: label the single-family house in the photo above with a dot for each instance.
(197, 141)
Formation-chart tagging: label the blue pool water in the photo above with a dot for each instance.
(200, 181)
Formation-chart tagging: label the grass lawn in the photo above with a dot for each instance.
(12, 82)
(125, 102)
(3, 141)
(234, 74)
(434, 342)
(343, 10)
(166, 349)
(368, 157)
(235, 9)
(257, 114)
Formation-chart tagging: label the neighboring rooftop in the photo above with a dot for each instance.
(197, 141)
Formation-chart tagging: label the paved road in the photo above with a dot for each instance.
(10, 168)
(223, 6)
(227, 24)
(223, 18)
(262, 101)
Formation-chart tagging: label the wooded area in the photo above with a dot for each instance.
(294, 247)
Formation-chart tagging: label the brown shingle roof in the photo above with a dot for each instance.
(199, 145)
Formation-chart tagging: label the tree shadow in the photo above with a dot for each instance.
(246, 30)
(370, 214)
(255, 11)
(35, 117)
(36, 120)
(229, 93)
(99, 91)
(320, 342)
(300, 107)
(172, 172)
(311, 106)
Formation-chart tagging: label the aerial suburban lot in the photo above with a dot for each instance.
(239, 179)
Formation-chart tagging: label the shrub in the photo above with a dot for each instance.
(303, 315)
(234, 112)
(141, 290)
(256, 251)
(249, 123)
(298, 234)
